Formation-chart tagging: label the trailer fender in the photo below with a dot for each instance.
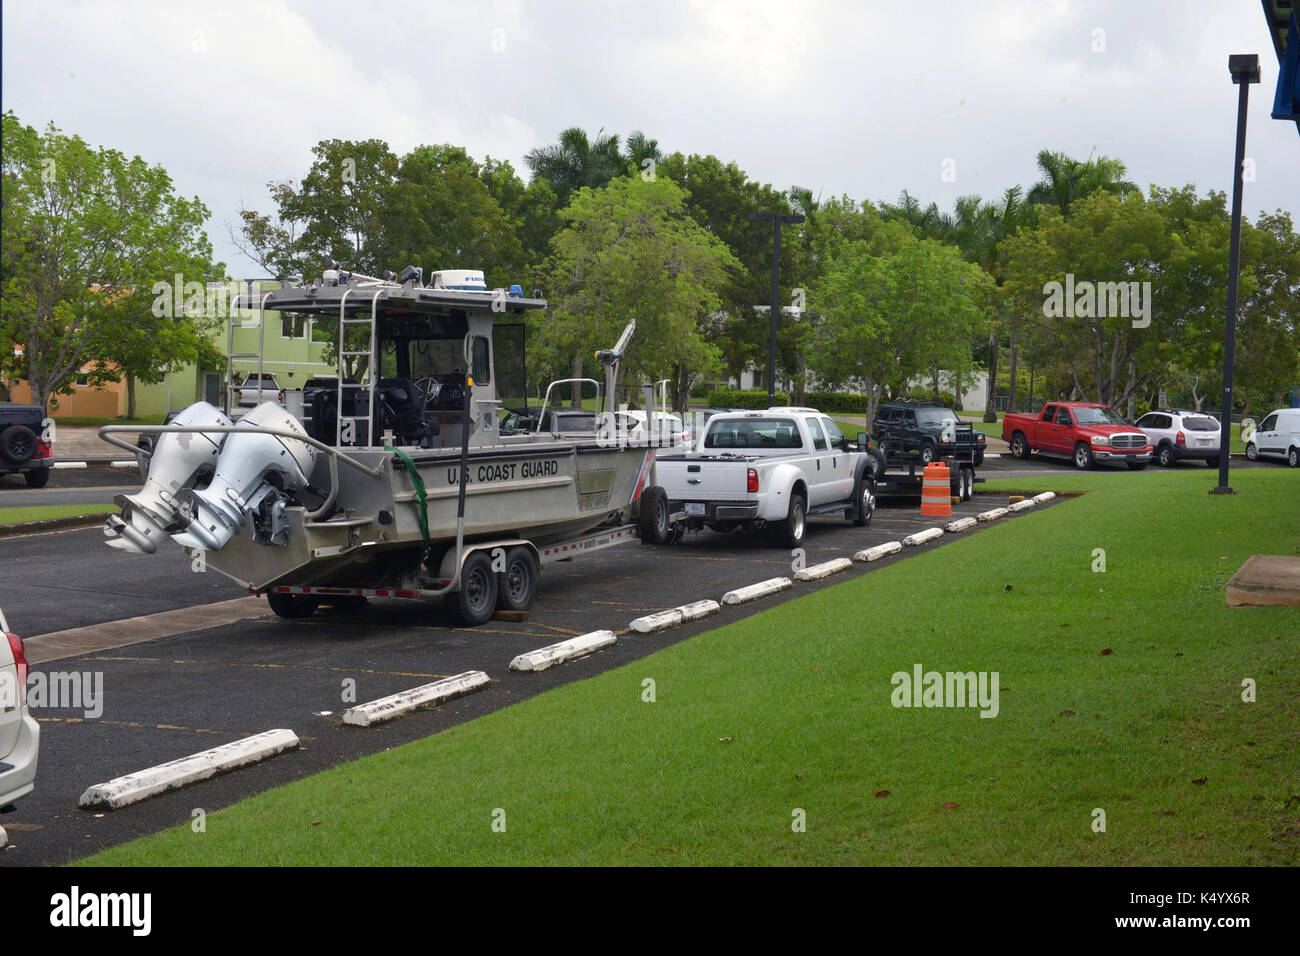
(447, 570)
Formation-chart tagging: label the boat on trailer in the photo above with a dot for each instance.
(402, 482)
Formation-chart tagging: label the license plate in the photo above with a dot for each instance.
(695, 507)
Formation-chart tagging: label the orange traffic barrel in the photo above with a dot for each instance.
(936, 494)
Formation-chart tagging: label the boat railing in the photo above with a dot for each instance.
(541, 417)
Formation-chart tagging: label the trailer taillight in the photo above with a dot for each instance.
(751, 481)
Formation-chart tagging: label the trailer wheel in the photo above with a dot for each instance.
(477, 597)
(652, 518)
(517, 584)
(293, 607)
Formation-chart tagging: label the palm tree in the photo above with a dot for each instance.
(576, 161)
(1066, 179)
(638, 147)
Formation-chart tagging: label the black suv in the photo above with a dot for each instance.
(22, 449)
(929, 432)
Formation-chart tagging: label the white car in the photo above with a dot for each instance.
(1178, 435)
(1278, 436)
(19, 733)
(670, 426)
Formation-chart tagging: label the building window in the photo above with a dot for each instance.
(81, 380)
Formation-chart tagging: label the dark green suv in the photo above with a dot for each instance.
(925, 431)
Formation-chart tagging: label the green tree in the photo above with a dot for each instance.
(896, 307)
(630, 251)
(576, 162)
(86, 235)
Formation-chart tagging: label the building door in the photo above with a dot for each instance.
(212, 388)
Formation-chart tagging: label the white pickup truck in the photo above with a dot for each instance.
(768, 471)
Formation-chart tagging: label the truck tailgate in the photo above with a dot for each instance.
(704, 479)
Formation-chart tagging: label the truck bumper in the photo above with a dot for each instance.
(1105, 454)
(717, 510)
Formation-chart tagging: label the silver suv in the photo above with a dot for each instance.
(1177, 434)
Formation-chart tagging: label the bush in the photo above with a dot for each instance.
(948, 399)
(725, 397)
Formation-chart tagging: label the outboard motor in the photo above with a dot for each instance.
(177, 459)
(253, 472)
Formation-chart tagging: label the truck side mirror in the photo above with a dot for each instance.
(863, 441)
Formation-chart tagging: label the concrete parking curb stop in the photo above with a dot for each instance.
(407, 701)
(552, 654)
(661, 620)
(4, 837)
(823, 570)
(994, 515)
(134, 787)
(1022, 505)
(752, 592)
(879, 551)
(961, 524)
(1045, 496)
(921, 537)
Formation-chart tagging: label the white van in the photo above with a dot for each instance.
(1278, 436)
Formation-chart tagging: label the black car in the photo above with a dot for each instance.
(23, 449)
(926, 431)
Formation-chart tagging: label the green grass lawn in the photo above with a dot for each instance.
(18, 515)
(1119, 690)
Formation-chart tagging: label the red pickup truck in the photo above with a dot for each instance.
(1082, 431)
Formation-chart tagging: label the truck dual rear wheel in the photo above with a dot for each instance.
(789, 532)
(517, 585)
(652, 516)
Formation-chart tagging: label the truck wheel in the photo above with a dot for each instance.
(293, 607)
(965, 484)
(1019, 447)
(979, 458)
(477, 597)
(652, 518)
(1213, 462)
(927, 452)
(1166, 456)
(1083, 456)
(17, 444)
(1252, 453)
(878, 456)
(789, 532)
(865, 501)
(37, 478)
(1293, 457)
(517, 585)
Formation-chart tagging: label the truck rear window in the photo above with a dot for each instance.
(753, 433)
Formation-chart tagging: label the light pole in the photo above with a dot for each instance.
(776, 219)
(1244, 68)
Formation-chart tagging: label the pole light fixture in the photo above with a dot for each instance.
(1244, 68)
(776, 219)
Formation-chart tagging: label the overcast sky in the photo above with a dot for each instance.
(863, 98)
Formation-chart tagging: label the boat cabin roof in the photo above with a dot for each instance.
(397, 305)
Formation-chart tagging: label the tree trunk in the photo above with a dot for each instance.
(575, 392)
(935, 371)
(990, 401)
(1015, 361)
(130, 395)
(800, 378)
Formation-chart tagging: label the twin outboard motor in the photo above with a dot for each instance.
(253, 472)
(150, 514)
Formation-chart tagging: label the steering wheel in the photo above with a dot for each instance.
(425, 385)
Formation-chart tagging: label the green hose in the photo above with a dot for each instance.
(421, 498)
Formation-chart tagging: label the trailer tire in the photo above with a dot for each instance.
(652, 516)
(477, 597)
(517, 584)
(293, 607)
